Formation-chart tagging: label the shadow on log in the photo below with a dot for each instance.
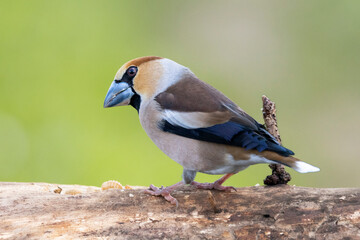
(40, 210)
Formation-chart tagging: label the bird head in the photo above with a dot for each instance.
(141, 79)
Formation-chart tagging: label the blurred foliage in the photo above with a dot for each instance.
(58, 58)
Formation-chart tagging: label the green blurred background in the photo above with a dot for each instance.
(58, 58)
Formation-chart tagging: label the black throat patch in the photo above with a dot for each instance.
(135, 101)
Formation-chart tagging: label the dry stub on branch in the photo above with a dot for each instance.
(279, 175)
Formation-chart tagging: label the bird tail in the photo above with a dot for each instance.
(294, 163)
(302, 167)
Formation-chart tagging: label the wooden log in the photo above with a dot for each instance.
(41, 210)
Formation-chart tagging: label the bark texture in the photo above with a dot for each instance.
(41, 210)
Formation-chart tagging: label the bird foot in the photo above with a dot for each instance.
(164, 192)
(214, 185)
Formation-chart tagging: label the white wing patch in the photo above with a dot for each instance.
(189, 120)
(192, 120)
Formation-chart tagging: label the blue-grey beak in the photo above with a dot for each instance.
(119, 94)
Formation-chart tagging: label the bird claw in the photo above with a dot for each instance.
(214, 185)
(164, 192)
(225, 188)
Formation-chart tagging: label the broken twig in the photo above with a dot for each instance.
(279, 175)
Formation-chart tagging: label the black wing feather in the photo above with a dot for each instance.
(231, 133)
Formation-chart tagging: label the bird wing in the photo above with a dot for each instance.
(194, 109)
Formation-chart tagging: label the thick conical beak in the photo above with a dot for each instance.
(119, 94)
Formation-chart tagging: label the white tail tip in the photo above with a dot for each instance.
(303, 167)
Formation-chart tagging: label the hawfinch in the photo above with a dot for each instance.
(194, 124)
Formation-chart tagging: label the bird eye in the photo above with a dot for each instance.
(131, 72)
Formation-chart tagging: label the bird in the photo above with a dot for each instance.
(194, 124)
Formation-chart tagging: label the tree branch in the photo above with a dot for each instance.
(34, 210)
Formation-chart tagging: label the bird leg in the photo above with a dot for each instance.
(215, 185)
(165, 192)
